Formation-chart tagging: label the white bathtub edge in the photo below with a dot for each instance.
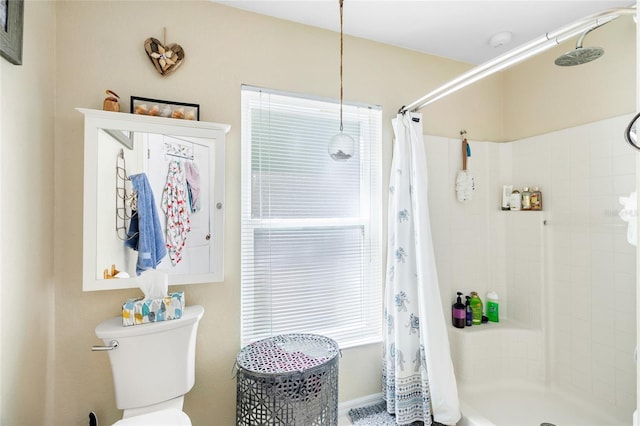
(471, 417)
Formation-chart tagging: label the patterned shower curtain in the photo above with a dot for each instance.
(417, 376)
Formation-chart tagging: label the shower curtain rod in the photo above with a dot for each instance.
(518, 54)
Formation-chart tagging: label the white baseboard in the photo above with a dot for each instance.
(344, 407)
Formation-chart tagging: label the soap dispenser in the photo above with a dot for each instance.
(458, 313)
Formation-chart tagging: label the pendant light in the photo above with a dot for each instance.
(341, 145)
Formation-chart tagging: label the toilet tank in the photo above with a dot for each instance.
(153, 362)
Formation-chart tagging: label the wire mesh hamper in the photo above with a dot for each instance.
(289, 379)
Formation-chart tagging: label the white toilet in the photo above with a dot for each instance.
(153, 367)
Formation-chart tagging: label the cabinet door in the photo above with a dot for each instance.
(161, 151)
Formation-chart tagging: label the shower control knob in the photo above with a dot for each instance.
(207, 237)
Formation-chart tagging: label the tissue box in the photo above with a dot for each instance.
(141, 311)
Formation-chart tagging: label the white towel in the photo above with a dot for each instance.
(630, 215)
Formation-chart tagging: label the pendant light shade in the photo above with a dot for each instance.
(341, 145)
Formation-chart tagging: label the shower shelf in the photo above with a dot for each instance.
(504, 324)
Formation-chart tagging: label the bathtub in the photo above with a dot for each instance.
(520, 403)
(502, 381)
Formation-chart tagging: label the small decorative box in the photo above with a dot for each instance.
(140, 311)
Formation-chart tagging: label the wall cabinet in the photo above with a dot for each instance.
(118, 146)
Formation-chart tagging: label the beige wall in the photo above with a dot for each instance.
(574, 95)
(100, 46)
(26, 182)
(73, 52)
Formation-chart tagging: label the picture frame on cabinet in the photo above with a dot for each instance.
(160, 108)
(11, 28)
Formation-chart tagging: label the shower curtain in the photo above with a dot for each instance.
(417, 376)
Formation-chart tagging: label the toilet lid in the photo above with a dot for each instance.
(157, 418)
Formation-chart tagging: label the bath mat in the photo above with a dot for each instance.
(375, 415)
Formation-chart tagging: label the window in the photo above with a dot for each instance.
(310, 225)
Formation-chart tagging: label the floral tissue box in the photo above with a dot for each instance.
(140, 311)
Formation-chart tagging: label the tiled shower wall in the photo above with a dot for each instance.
(481, 248)
(567, 271)
(589, 265)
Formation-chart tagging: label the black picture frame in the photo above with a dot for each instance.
(11, 27)
(162, 108)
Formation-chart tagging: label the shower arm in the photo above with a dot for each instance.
(584, 34)
(519, 54)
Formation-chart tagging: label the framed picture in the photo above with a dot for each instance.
(11, 21)
(160, 108)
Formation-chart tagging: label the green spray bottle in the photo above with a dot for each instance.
(492, 307)
(476, 308)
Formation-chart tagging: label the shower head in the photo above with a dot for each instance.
(580, 55)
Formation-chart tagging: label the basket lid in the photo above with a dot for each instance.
(287, 353)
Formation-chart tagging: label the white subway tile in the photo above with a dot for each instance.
(602, 355)
(535, 371)
(625, 321)
(602, 240)
(625, 379)
(601, 166)
(625, 341)
(623, 185)
(625, 282)
(581, 379)
(602, 325)
(624, 263)
(624, 361)
(604, 390)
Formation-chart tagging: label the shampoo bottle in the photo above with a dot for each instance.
(536, 199)
(469, 313)
(526, 199)
(515, 202)
(476, 308)
(492, 307)
(458, 313)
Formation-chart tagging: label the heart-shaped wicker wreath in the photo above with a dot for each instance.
(167, 58)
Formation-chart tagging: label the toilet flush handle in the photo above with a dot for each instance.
(112, 345)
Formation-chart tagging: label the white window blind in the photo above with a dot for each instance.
(311, 254)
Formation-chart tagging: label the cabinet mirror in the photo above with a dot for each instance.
(137, 168)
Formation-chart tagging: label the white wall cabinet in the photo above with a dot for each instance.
(143, 144)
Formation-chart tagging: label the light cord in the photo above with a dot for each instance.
(341, 52)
